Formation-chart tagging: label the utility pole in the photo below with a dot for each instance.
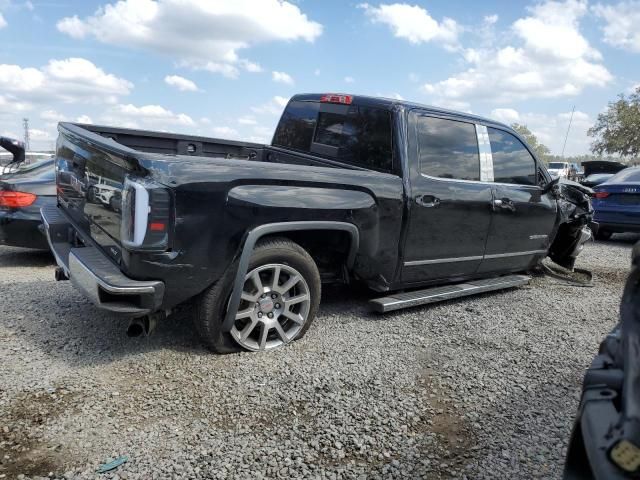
(27, 140)
(568, 128)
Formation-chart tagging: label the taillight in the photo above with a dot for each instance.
(336, 98)
(601, 194)
(9, 199)
(146, 216)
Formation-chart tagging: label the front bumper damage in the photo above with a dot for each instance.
(93, 273)
(575, 225)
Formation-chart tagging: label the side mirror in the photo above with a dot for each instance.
(551, 185)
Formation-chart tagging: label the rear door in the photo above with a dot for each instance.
(522, 217)
(450, 205)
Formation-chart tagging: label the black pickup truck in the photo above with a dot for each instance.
(389, 193)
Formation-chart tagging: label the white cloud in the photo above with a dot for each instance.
(348, 79)
(621, 24)
(84, 119)
(247, 120)
(37, 135)
(181, 83)
(394, 95)
(198, 33)
(3, 22)
(146, 116)
(505, 115)
(10, 134)
(52, 116)
(553, 59)
(316, 72)
(490, 19)
(11, 106)
(72, 80)
(282, 77)
(551, 129)
(413, 23)
(225, 132)
(263, 131)
(273, 106)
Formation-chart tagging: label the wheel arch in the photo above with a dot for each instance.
(254, 235)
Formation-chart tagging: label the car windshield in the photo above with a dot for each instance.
(556, 165)
(595, 177)
(626, 175)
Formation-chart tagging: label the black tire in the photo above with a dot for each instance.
(211, 305)
(603, 234)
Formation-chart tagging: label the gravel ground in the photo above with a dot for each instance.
(483, 387)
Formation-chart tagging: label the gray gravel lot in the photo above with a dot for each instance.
(480, 388)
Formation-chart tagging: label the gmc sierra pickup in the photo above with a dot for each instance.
(389, 193)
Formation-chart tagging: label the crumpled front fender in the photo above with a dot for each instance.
(574, 223)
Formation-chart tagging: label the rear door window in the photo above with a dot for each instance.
(448, 149)
(357, 135)
(296, 126)
(512, 162)
(353, 134)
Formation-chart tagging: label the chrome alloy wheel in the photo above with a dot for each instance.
(274, 307)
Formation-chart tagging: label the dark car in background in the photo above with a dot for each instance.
(22, 194)
(617, 203)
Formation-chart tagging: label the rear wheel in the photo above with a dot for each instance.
(280, 298)
(603, 234)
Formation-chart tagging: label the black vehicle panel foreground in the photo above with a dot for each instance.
(605, 442)
(389, 193)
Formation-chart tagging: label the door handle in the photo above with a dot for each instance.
(427, 200)
(503, 204)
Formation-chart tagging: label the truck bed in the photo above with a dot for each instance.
(171, 143)
(174, 144)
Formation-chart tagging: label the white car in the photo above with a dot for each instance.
(559, 169)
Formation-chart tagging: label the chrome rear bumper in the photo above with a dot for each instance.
(94, 274)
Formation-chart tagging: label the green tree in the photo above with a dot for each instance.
(542, 151)
(617, 130)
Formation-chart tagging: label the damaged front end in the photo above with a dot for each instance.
(574, 223)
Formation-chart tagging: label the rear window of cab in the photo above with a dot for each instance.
(353, 134)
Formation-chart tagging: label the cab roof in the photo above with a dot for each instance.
(392, 103)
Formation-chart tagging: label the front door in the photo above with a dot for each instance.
(522, 216)
(450, 207)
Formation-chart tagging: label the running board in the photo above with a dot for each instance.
(448, 292)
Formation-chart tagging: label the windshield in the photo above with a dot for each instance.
(594, 177)
(626, 175)
(557, 165)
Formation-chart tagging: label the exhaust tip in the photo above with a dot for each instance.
(135, 329)
(144, 325)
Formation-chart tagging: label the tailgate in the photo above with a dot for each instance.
(90, 175)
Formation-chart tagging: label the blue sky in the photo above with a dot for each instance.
(226, 68)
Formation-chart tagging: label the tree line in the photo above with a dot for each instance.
(616, 134)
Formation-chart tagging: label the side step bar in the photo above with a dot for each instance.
(448, 292)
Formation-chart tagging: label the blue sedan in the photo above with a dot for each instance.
(617, 203)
